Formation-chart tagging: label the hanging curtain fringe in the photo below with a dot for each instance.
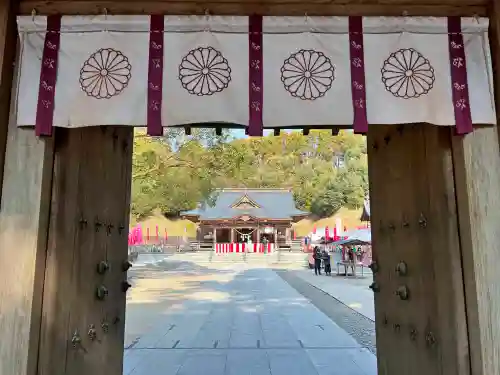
(306, 130)
(48, 113)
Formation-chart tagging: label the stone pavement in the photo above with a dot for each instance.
(353, 292)
(231, 319)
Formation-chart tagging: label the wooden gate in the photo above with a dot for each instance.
(435, 213)
(418, 283)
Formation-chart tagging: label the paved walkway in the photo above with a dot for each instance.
(187, 319)
(353, 292)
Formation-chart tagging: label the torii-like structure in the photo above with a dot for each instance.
(409, 74)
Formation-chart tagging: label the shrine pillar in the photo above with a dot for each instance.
(8, 38)
(477, 178)
(25, 177)
(476, 164)
(24, 221)
(232, 235)
(63, 240)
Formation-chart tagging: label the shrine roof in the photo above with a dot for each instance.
(258, 203)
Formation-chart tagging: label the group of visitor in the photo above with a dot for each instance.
(322, 256)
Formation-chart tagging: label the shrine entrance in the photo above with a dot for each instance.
(66, 195)
(248, 220)
(244, 235)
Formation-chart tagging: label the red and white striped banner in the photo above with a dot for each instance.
(223, 248)
(226, 248)
(261, 248)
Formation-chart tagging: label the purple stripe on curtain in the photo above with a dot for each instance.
(155, 76)
(256, 89)
(358, 87)
(458, 68)
(48, 77)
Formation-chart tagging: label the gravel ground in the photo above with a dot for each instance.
(358, 326)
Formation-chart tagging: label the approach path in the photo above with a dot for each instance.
(231, 319)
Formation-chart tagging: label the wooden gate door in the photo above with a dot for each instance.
(83, 310)
(418, 281)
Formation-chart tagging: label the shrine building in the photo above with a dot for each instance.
(242, 219)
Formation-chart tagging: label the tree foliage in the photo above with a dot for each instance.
(175, 173)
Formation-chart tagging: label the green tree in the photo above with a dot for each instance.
(175, 172)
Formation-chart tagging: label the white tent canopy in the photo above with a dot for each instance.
(363, 234)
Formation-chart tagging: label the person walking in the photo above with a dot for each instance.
(317, 261)
(327, 262)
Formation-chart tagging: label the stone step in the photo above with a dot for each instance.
(210, 256)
